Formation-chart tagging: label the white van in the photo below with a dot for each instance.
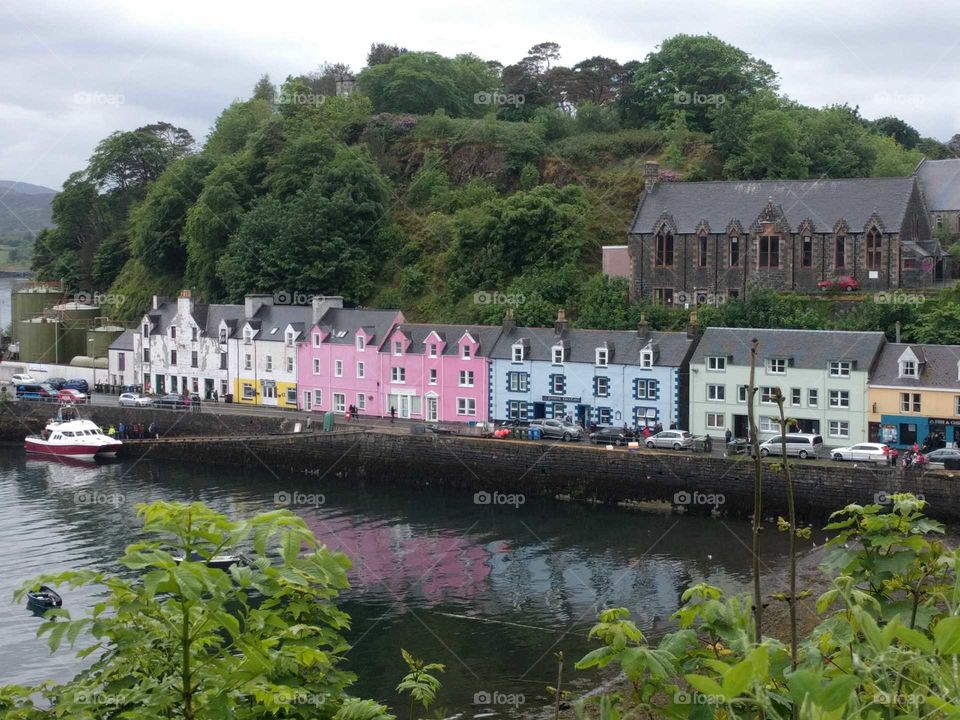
(803, 445)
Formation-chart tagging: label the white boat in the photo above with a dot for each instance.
(69, 435)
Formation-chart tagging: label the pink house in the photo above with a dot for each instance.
(438, 373)
(339, 363)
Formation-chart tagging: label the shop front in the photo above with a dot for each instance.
(903, 431)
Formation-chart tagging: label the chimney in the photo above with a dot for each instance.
(509, 324)
(651, 174)
(322, 303)
(252, 303)
(693, 329)
(643, 327)
(185, 303)
(560, 326)
(156, 302)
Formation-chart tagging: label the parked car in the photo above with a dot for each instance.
(131, 399)
(72, 396)
(56, 383)
(803, 445)
(846, 283)
(171, 400)
(611, 436)
(864, 452)
(937, 457)
(77, 384)
(36, 391)
(23, 379)
(675, 439)
(557, 429)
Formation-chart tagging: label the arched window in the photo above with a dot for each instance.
(734, 250)
(874, 249)
(840, 252)
(702, 250)
(664, 248)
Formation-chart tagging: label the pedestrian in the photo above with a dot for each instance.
(646, 432)
(152, 430)
(393, 414)
(673, 425)
(708, 445)
(658, 428)
(121, 431)
(112, 431)
(894, 453)
(728, 436)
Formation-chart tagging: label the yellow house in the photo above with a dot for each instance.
(914, 395)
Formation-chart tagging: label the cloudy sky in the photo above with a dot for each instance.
(75, 71)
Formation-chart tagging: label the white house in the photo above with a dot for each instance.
(120, 361)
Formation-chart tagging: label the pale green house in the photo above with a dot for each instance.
(821, 373)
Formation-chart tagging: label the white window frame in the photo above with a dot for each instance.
(316, 340)
(768, 393)
(248, 391)
(838, 429)
(646, 360)
(603, 357)
(361, 401)
(465, 352)
(910, 365)
(838, 399)
(318, 398)
(769, 424)
(716, 393)
(338, 368)
(813, 397)
(605, 380)
(712, 423)
(467, 406)
(361, 342)
(398, 347)
(398, 375)
(247, 361)
(796, 397)
(716, 363)
(777, 366)
(841, 368)
(432, 350)
(339, 402)
(361, 370)
(466, 378)
(432, 377)
(742, 391)
(557, 354)
(516, 353)
(316, 366)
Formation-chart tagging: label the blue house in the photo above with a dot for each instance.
(609, 377)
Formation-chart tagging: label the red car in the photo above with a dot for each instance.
(847, 283)
(72, 396)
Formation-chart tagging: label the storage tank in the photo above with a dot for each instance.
(76, 319)
(28, 302)
(100, 339)
(40, 340)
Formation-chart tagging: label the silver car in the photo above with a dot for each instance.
(863, 452)
(134, 400)
(557, 429)
(674, 439)
(936, 457)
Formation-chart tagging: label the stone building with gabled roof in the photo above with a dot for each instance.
(699, 242)
(940, 183)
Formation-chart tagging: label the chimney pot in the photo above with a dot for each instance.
(560, 325)
(651, 174)
(509, 324)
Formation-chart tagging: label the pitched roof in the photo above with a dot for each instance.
(939, 367)
(485, 335)
(232, 315)
(940, 180)
(672, 347)
(823, 202)
(123, 342)
(272, 320)
(343, 323)
(811, 349)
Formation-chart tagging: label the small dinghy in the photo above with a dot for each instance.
(43, 599)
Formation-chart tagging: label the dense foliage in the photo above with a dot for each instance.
(450, 187)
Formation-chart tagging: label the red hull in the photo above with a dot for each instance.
(74, 451)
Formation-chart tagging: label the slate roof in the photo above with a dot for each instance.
(939, 368)
(124, 342)
(940, 181)
(824, 202)
(672, 347)
(810, 349)
(232, 315)
(485, 335)
(376, 323)
(272, 320)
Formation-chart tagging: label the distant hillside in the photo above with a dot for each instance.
(24, 208)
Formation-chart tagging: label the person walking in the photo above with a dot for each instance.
(894, 453)
(393, 414)
(122, 431)
(152, 430)
(728, 436)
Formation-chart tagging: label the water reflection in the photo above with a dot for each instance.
(491, 591)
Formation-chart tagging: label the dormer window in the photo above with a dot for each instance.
(247, 335)
(717, 363)
(173, 332)
(603, 356)
(397, 347)
(466, 352)
(557, 355)
(223, 335)
(361, 343)
(289, 338)
(146, 329)
(193, 334)
(316, 340)
(840, 368)
(646, 359)
(908, 368)
(432, 350)
(517, 352)
(776, 366)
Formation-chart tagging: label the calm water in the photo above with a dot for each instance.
(491, 591)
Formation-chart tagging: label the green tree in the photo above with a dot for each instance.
(236, 126)
(177, 638)
(382, 53)
(896, 128)
(771, 150)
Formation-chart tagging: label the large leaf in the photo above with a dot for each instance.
(946, 636)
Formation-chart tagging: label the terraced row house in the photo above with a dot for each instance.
(702, 242)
